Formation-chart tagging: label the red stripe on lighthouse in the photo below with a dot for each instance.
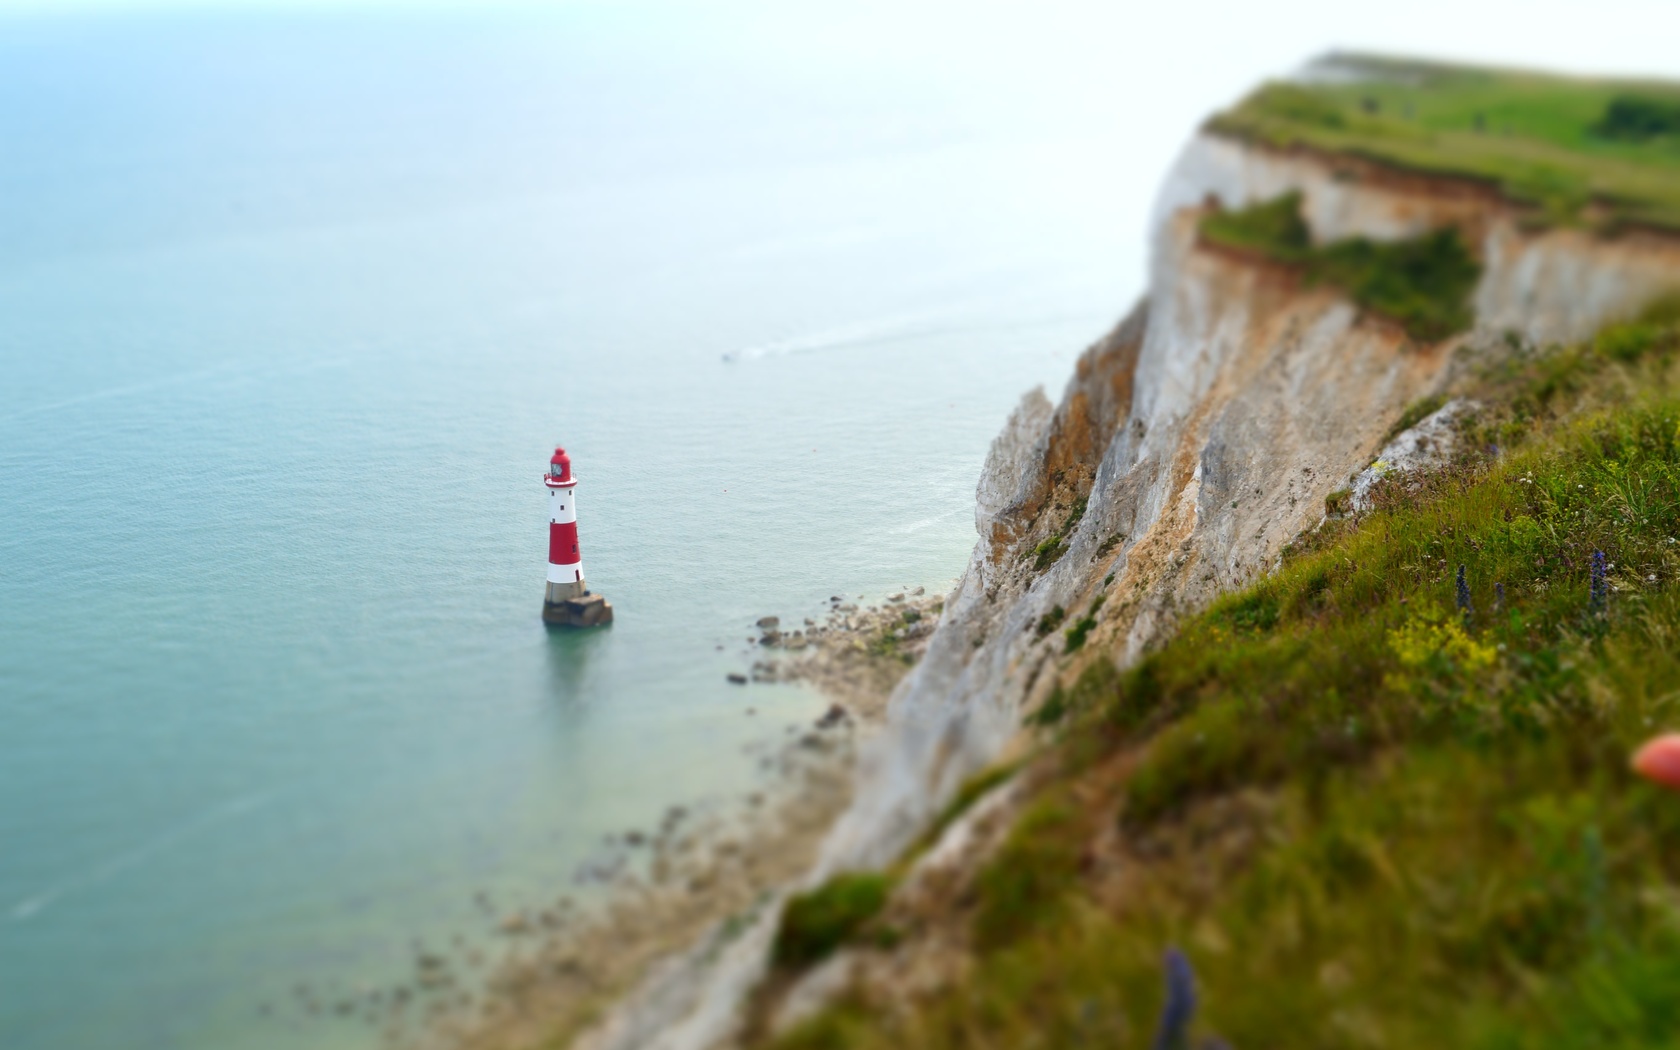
(562, 542)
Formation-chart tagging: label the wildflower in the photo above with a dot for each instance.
(1421, 641)
(1598, 591)
(1173, 1033)
(1498, 598)
(1463, 595)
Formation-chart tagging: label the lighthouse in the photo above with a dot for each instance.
(567, 600)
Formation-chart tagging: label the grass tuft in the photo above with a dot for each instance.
(816, 923)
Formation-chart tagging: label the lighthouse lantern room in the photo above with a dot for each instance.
(567, 601)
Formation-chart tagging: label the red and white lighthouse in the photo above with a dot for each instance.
(567, 600)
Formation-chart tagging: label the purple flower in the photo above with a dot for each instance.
(1174, 1030)
(1498, 598)
(1463, 595)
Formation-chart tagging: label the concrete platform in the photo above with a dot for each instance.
(591, 610)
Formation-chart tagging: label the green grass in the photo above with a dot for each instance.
(1024, 888)
(1372, 818)
(1273, 228)
(1050, 621)
(973, 790)
(1423, 283)
(817, 923)
(1082, 627)
(1557, 144)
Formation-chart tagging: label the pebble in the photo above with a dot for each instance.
(769, 623)
(738, 679)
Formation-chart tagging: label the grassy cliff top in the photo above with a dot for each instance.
(1559, 144)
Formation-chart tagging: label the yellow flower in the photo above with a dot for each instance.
(1419, 641)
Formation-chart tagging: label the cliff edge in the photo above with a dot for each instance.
(1346, 267)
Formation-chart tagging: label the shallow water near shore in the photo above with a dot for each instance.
(290, 321)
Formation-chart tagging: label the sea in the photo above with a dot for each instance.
(294, 307)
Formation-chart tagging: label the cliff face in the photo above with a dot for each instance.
(1193, 442)
(1200, 436)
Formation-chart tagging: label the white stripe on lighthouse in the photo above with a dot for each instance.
(562, 505)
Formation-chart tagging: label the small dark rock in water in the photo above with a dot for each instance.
(769, 623)
(919, 591)
(634, 838)
(752, 710)
(834, 716)
(895, 597)
(835, 598)
(770, 638)
(738, 679)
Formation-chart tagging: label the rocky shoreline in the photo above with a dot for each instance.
(699, 877)
(856, 655)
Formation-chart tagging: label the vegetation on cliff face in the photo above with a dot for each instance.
(1560, 144)
(814, 924)
(1423, 283)
(1380, 798)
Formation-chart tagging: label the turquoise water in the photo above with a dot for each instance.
(292, 311)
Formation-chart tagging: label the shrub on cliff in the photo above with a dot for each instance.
(1638, 118)
(814, 924)
(1272, 228)
(1423, 283)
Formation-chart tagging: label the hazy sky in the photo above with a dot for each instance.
(1193, 56)
(1132, 79)
(1606, 35)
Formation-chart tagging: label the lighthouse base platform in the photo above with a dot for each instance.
(591, 610)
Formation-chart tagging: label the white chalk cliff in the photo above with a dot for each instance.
(1202, 434)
